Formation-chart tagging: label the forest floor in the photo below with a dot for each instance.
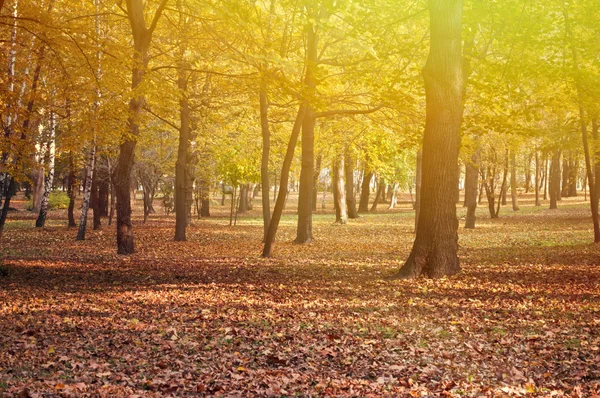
(210, 317)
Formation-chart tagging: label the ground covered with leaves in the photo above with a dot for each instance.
(210, 317)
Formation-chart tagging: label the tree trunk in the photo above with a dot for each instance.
(554, 179)
(537, 179)
(365, 192)
(349, 174)
(418, 184)
(95, 200)
(528, 173)
(264, 164)
(573, 176)
(49, 179)
(71, 190)
(513, 181)
(142, 37)
(316, 174)
(566, 171)
(592, 171)
(394, 198)
(285, 174)
(38, 189)
(243, 207)
(545, 176)
(304, 230)
(339, 191)
(380, 194)
(434, 252)
(87, 191)
(471, 186)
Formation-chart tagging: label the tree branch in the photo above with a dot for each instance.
(347, 112)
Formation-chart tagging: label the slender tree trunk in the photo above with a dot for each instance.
(87, 191)
(471, 186)
(264, 165)
(435, 249)
(49, 180)
(316, 174)
(592, 171)
(339, 191)
(349, 174)
(394, 198)
(537, 179)
(365, 192)
(513, 181)
(71, 190)
(566, 171)
(380, 194)
(528, 173)
(545, 176)
(285, 174)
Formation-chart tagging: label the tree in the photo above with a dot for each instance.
(142, 37)
(434, 253)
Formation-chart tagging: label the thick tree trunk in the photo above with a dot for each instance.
(243, 207)
(573, 175)
(304, 230)
(103, 193)
(471, 186)
(513, 182)
(95, 200)
(434, 252)
(350, 196)
(566, 171)
(365, 192)
(285, 174)
(142, 36)
(181, 221)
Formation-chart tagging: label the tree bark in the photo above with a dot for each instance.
(87, 192)
(471, 187)
(380, 194)
(365, 192)
(316, 174)
(71, 190)
(285, 174)
(181, 221)
(537, 179)
(339, 191)
(554, 187)
(350, 196)
(435, 249)
(95, 200)
(142, 37)
(513, 181)
(264, 165)
(49, 179)
(418, 184)
(304, 230)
